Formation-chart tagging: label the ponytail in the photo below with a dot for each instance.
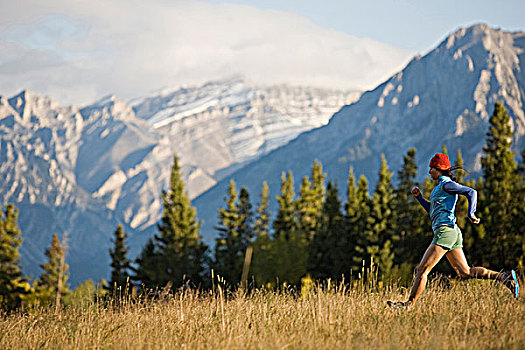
(450, 173)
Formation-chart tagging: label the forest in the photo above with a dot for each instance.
(314, 237)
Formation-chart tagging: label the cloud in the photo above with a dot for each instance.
(79, 51)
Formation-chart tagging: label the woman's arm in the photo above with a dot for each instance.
(424, 203)
(452, 187)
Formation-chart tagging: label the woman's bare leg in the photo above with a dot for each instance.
(433, 254)
(457, 259)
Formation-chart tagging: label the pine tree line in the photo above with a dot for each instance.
(314, 233)
(176, 255)
(15, 290)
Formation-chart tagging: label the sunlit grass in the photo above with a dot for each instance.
(473, 315)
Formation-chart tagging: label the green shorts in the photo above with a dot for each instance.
(448, 237)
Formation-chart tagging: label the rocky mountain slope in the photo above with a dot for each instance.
(443, 98)
(220, 126)
(81, 171)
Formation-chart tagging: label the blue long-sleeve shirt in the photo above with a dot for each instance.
(441, 206)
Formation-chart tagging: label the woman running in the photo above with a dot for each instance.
(448, 240)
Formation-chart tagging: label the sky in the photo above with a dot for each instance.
(411, 24)
(79, 51)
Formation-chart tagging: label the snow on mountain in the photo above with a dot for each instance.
(81, 171)
(229, 122)
(38, 154)
(33, 133)
(443, 98)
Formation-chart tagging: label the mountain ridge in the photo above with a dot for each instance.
(83, 170)
(442, 98)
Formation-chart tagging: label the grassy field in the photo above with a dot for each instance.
(464, 315)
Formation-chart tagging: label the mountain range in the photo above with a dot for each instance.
(82, 170)
(79, 171)
(445, 97)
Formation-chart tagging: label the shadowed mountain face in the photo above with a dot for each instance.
(443, 98)
(81, 171)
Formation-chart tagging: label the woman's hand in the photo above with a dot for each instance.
(416, 191)
(474, 220)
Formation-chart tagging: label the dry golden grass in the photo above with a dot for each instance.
(473, 315)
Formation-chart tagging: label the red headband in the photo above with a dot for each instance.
(440, 161)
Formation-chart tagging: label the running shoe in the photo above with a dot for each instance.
(510, 280)
(398, 305)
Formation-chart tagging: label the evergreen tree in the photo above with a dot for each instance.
(310, 202)
(521, 167)
(352, 213)
(517, 221)
(309, 208)
(263, 254)
(13, 286)
(284, 224)
(262, 220)
(228, 246)
(290, 245)
(459, 166)
(327, 254)
(428, 187)
(306, 210)
(119, 261)
(462, 204)
(362, 226)
(246, 232)
(474, 237)
(409, 218)
(147, 271)
(246, 218)
(353, 222)
(501, 182)
(52, 284)
(318, 179)
(381, 235)
(178, 251)
(235, 234)
(404, 206)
